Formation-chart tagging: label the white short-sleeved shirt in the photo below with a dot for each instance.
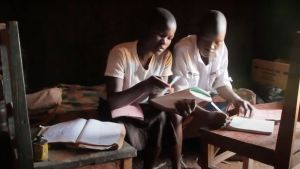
(189, 65)
(123, 62)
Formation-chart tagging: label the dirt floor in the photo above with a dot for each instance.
(189, 156)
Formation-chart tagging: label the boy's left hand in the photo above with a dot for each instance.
(246, 107)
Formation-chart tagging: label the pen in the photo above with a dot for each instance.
(171, 83)
(215, 106)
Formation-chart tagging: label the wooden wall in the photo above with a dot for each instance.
(67, 41)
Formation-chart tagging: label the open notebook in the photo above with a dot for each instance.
(262, 122)
(250, 125)
(92, 134)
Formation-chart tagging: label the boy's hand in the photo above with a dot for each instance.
(185, 107)
(170, 90)
(245, 107)
(155, 85)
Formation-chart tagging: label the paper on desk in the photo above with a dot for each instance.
(250, 125)
(267, 114)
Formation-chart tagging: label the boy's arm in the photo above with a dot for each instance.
(227, 93)
(179, 68)
(117, 97)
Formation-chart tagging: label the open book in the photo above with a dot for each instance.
(167, 102)
(92, 134)
(257, 126)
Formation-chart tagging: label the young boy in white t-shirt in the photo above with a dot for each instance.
(136, 71)
(202, 60)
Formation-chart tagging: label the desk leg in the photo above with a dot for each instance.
(206, 156)
(248, 163)
(126, 163)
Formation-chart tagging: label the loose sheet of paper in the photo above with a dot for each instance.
(267, 114)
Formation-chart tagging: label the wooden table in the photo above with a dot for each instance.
(242, 143)
(68, 158)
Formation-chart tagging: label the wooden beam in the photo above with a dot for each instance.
(289, 118)
(22, 129)
(126, 163)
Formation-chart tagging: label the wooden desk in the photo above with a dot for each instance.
(242, 143)
(88, 159)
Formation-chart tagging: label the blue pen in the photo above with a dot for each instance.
(216, 107)
(171, 83)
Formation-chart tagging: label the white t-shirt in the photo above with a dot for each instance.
(189, 65)
(123, 62)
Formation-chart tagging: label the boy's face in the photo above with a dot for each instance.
(209, 43)
(160, 39)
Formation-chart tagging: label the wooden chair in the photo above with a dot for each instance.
(281, 149)
(14, 94)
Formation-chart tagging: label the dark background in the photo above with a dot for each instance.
(67, 41)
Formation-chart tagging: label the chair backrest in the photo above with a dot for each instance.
(14, 91)
(286, 134)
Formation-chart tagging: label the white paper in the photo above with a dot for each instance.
(251, 125)
(101, 133)
(64, 132)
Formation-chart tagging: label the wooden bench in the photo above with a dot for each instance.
(84, 159)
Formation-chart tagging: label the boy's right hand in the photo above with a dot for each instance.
(155, 85)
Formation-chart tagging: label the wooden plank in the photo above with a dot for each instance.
(126, 163)
(222, 157)
(205, 156)
(266, 141)
(248, 163)
(6, 74)
(22, 129)
(211, 155)
(229, 140)
(291, 107)
(109, 165)
(239, 146)
(70, 158)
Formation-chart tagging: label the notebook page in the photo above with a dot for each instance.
(101, 133)
(251, 125)
(132, 110)
(64, 132)
(269, 114)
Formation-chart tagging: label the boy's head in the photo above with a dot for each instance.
(211, 32)
(160, 30)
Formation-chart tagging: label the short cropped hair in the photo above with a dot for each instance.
(156, 18)
(212, 21)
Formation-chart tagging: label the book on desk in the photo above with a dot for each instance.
(82, 133)
(263, 122)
